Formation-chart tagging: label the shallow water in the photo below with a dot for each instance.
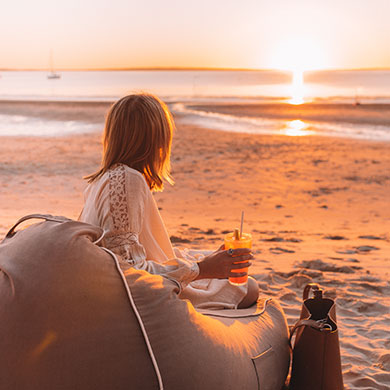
(21, 125)
(183, 88)
(295, 127)
(339, 85)
(58, 119)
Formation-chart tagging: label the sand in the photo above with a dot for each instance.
(318, 209)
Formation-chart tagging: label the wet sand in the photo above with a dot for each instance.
(370, 114)
(318, 209)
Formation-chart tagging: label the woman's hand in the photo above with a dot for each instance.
(219, 264)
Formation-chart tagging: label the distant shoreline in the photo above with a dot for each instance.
(251, 103)
(209, 101)
(184, 69)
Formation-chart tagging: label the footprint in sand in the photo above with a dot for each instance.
(370, 237)
(347, 252)
(209, 232)
(300, 280)
(384, 362)
(273, 239)
(175, 239)
(281, 239)
(289, 297)
(278, 250)
(335, 238)
(358, 250)
(366, 248)
(328, 267)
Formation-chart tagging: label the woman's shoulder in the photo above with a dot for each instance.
(120, 167)
(123, 170)
(126, 176)
(119, 178)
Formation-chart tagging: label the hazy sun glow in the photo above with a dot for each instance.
(299, 53)
(277, 34)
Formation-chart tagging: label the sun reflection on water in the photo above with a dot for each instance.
(296, 128)
(297, 88)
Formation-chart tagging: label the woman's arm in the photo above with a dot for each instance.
(218, 265)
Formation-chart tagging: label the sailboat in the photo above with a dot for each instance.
(52, 75)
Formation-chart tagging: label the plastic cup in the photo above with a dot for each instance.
(231, 243)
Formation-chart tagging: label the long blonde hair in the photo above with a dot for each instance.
(138, 133)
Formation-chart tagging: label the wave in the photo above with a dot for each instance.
(206, 116)
(19, 125)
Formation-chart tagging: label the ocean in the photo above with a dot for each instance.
(181, 89)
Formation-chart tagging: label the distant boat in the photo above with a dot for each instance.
(52, 75)
(357, 100)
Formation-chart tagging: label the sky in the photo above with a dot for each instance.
(255, 34)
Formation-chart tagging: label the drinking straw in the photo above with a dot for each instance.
(242, 223)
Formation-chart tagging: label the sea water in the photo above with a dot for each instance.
(183, 87)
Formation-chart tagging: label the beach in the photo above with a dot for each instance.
(318, 207)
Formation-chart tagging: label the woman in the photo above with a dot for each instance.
(136, 160)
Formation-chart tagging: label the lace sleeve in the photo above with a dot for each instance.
(180, 270)
(127, 202)
(128, 194)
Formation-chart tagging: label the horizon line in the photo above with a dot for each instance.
(179, 68)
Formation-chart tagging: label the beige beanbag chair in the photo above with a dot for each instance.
(69, 320)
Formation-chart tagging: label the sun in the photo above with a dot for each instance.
(298, 54)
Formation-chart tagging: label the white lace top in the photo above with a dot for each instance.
(121, 203)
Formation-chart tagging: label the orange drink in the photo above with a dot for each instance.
(234, 241)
